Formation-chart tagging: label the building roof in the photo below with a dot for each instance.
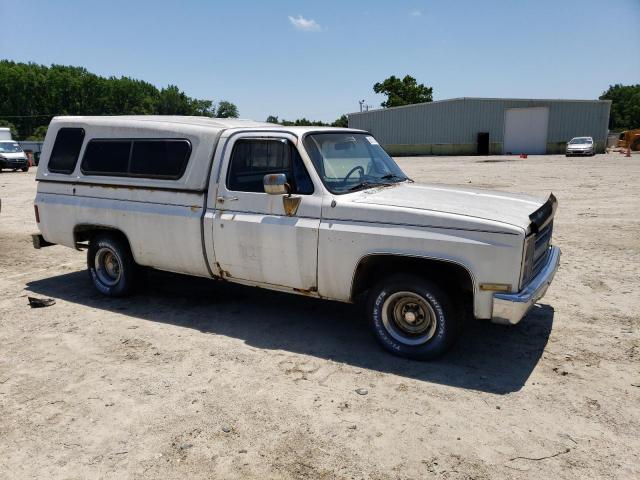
(487, 99)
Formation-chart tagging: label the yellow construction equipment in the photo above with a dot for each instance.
(630, 139)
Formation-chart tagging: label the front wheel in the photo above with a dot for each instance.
(412, 317)
(25, 169)
(111, 266)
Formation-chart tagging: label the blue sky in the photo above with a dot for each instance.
(317, 59)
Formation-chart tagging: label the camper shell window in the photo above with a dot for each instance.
(146, 158)
(66, 150)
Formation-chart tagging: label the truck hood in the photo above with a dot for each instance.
(492, 206)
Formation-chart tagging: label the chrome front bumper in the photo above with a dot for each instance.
(510, 308)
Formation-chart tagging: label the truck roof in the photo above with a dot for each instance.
(202, 132)
(171, 120)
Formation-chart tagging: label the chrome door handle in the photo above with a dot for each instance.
(226, 199)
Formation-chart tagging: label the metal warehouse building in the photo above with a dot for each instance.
(466, 126)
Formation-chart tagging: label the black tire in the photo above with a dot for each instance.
(111, 266)
(397, 294)
(25, 169)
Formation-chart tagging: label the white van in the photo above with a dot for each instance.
(12, 157)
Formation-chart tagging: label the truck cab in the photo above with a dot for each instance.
(321, 212)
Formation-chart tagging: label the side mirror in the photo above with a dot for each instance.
(275, 184)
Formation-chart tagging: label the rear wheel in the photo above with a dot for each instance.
(25, 169)
(412, 317)
(111, 265)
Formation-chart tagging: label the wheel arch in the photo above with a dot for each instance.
(450, 273)
(84, 232)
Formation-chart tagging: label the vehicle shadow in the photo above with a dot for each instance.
(490, 358)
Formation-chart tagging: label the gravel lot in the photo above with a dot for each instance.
(199, 379)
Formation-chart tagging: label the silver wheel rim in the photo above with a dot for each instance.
(107, 265)
(409, 318)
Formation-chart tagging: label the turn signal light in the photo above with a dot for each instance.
(495, 287)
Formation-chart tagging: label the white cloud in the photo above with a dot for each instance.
(416, 13)
(301, 23)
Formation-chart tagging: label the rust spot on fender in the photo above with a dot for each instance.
(194, 208)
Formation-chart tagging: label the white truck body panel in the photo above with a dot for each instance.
(254, 240)
(196, 225)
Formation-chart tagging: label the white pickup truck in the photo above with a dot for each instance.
(322, 212)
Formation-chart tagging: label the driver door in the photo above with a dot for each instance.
(254, 238)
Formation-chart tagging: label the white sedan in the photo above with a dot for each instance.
(581, 146)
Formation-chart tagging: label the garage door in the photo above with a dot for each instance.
(525, 130)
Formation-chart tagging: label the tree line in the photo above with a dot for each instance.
(625, 106)
(31, 94)
(343, 121)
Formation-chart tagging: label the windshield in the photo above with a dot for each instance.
(9, 147)
(347, 161)
(580, 141)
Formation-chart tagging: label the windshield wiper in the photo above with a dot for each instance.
(363, 185)
(393, 176)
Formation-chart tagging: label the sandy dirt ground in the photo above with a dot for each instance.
(192, 378)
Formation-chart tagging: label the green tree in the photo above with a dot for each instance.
(39, 133)
(226, 110)
(625, 106)
(204, 108)
(173, 102)
(343, 121)
(403, 92)
(33, 94)
(11, 126)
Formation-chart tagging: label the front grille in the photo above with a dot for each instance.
(15, 163)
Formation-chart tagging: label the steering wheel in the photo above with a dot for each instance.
(351, 172)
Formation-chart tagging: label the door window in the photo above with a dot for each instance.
(252, 159)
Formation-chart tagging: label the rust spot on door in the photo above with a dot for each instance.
(304, 291)
(223, 273)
